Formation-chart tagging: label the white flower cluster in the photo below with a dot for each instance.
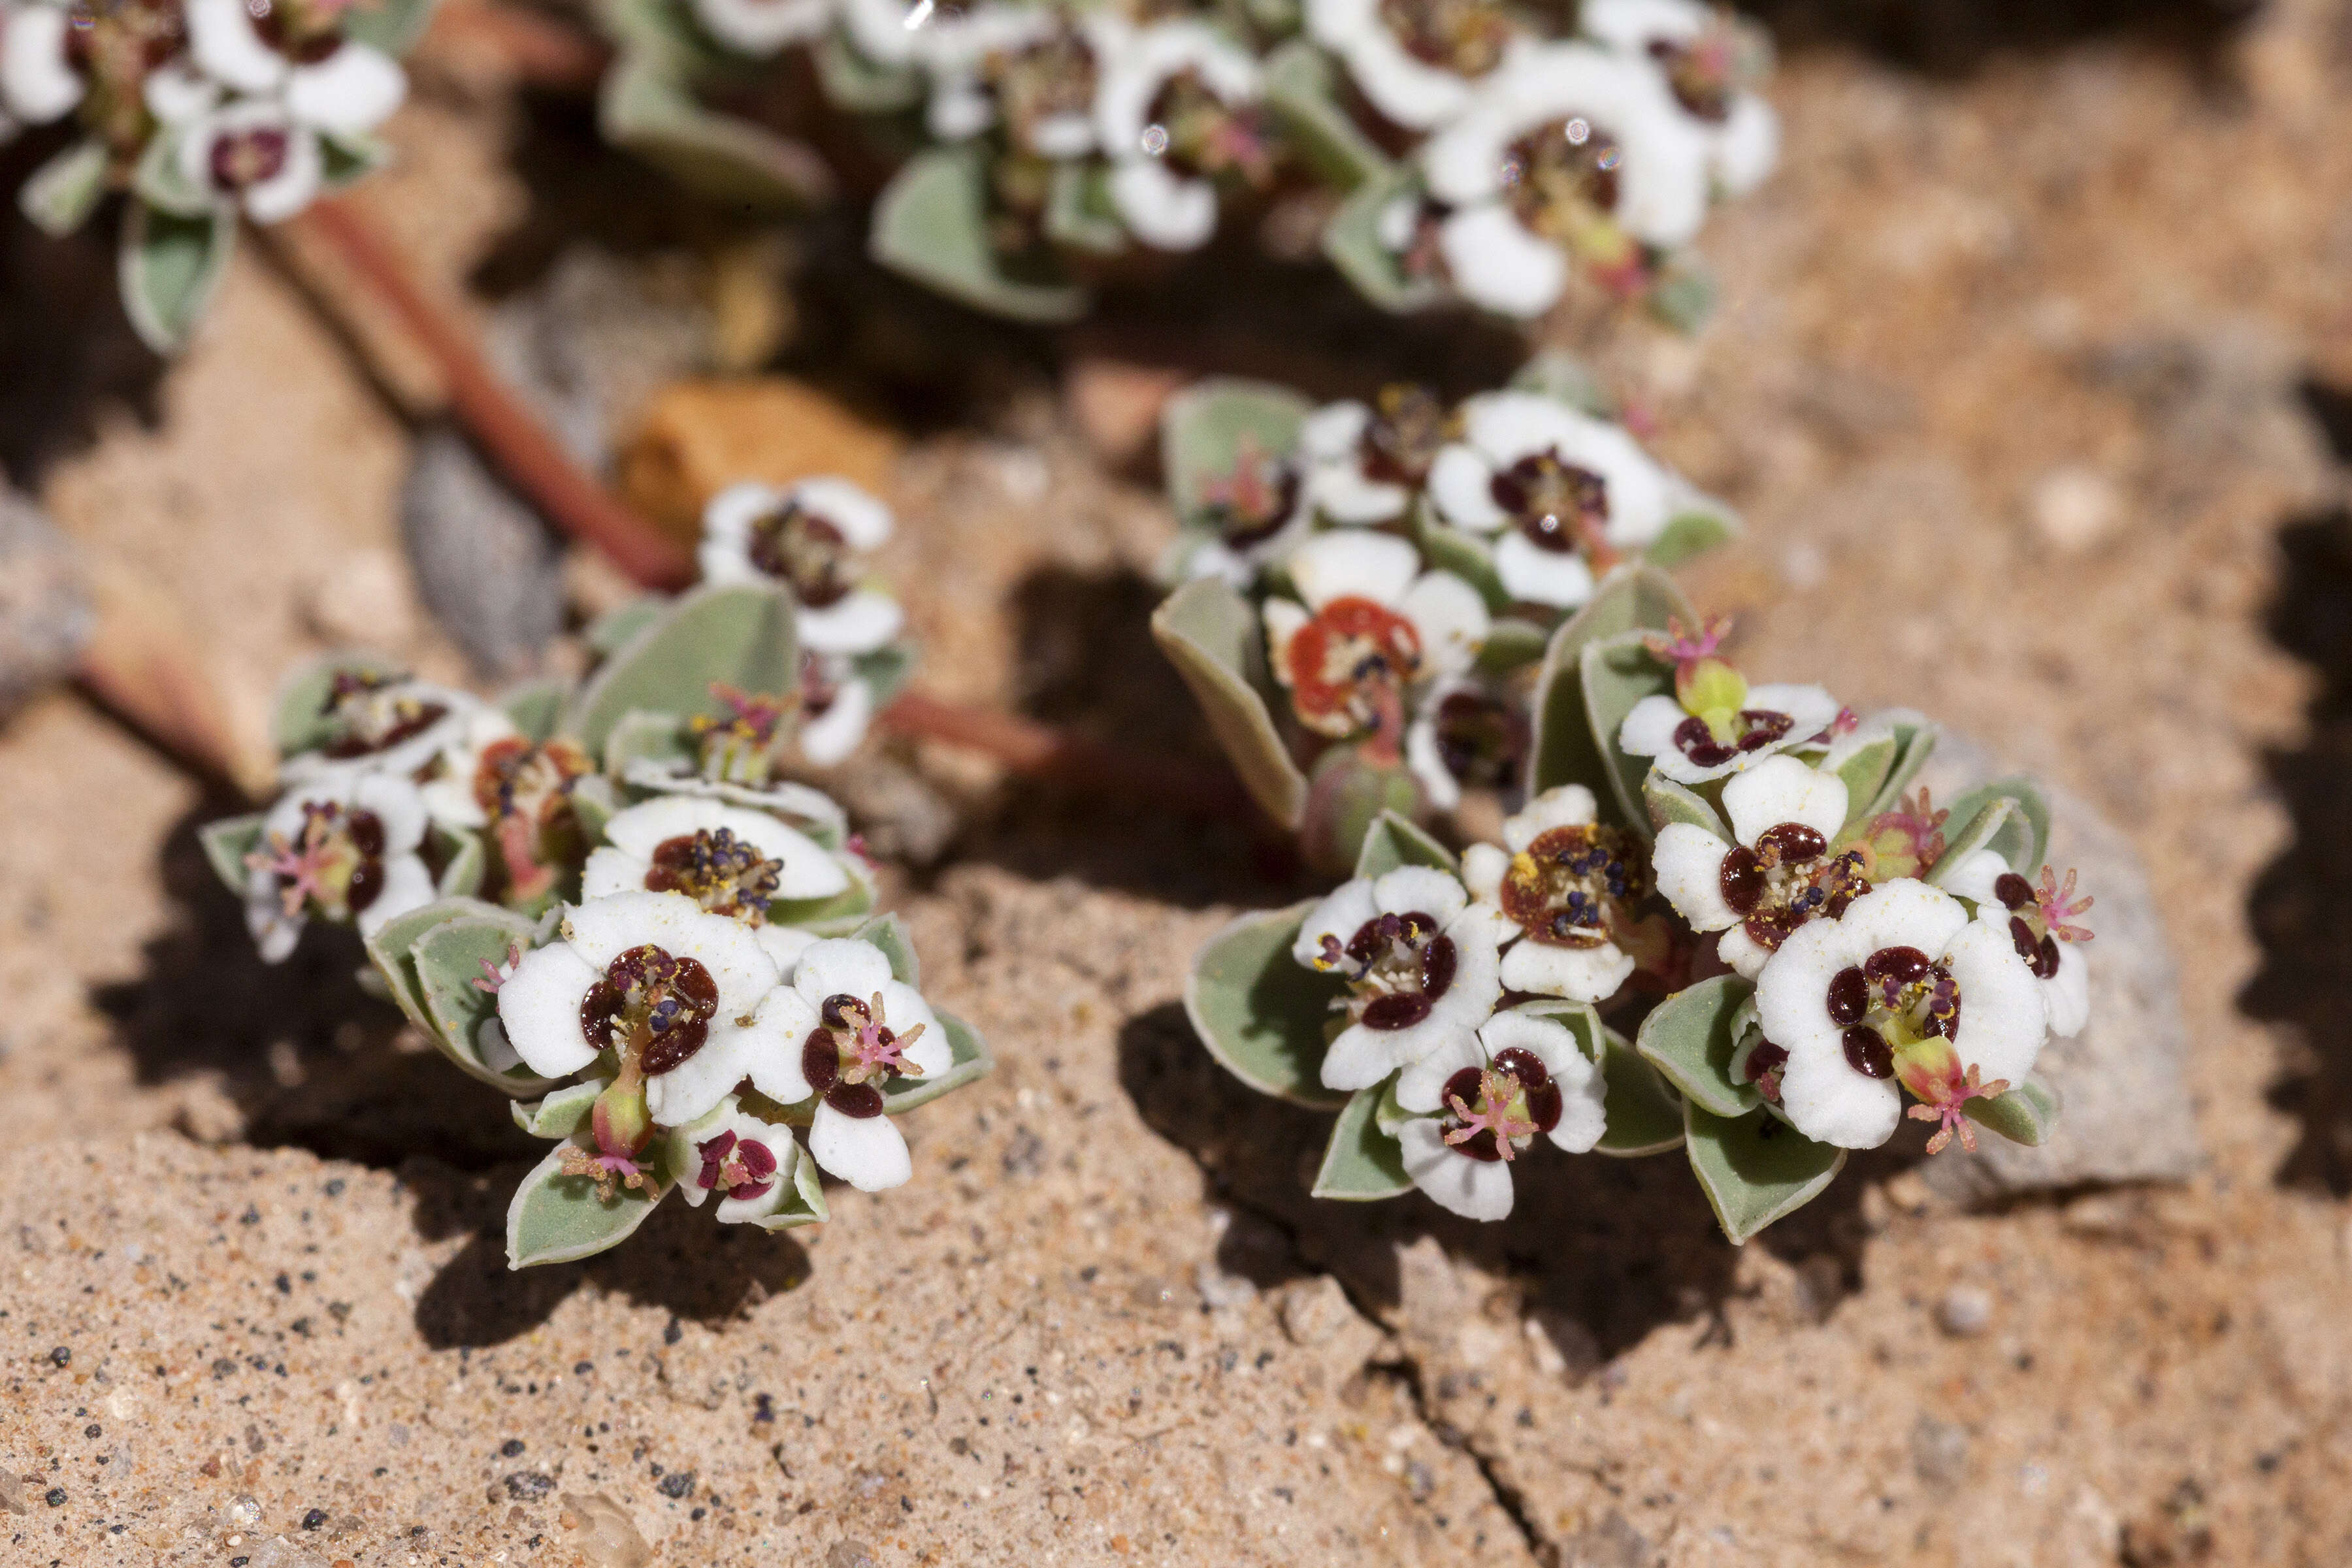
(228, 105)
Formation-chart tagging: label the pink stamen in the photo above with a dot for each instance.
(2058, 906)
(1495, 1093)
(1683, 650)
(1244, 491)
(300, 869)
(878, 1048)
(1948, 1109)
(761, 715)
(1917, 820)
(495, 974)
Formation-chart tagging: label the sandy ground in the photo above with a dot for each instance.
(2006, 381)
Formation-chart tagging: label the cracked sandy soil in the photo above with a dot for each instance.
(252, 1303)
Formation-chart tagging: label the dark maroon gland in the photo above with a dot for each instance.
(1480, 740)
(1900, 964)
(1768, 929)
(2013, 890)
(753, 1166)
(651, 1000)
(1403, 437)
(1558, 505)
(1274, 490)
(1868, 1053)
(1742, 878)
(1760, 727)
(367, 833)
(1466, 1086)
(1696, 741)
(275, 22)
(1792, 841)
(1765, 1058)
(1544, 1099)
(820, 1065)
(2039, 953)
(1849, 997)
(797, 547)
(244, 158)
(1702, 93)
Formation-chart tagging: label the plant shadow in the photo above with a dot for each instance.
(1954, 37)
(1619, 1246)
(678, 1261)
(2301, 906)
(306, 1055)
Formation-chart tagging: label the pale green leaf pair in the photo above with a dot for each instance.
(1595, 669)
(931, 224)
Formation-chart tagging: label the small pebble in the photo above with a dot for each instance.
(1964, 1313)
(92, 1430)
(510, 1447)
(61, 1355)
(56, 1497)
(314, 1519)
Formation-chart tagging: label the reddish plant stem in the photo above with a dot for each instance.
(510, 435)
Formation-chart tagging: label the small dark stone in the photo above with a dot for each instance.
(314, 1519)
(335, 1188)
(581, 1369)
(530, 1486)
(510, 1447)
(677, 1484)
(674, 1332)
(56, 1497)
(92, 1430)
(61, 1355)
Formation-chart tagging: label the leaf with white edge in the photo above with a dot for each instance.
(1684, 295)
(735, 634)
(1667, 801)
(645, 105)
(168, 267)
(158, 180)
(61, 194)
(226, 843)
(391, 948)
(594, 805)
(1304, 89)
(1690, 1037)
(1616, 673)
(1511, 644)
(1394, 841)
(1690, 533)
(885, 671)
(448, 962)
(1975, 832)
(534, 708)
(300, 722)
(1353, 243)
(643, 736)
(2026, 1114)
(1261, 1013)
(392, 25)
(350, 157)
(1566, 747)
(463, 861)
(1864, 773)
(860, 85)
(556, 1218)
(1078, 210)
(972, 1062)
(1203, 429)
(805, 1204)
(614, 630)
(1756, 1169)
(1362, 1164)
(1643, 1115)
(1469, 557)
(1915, 742)
(1566, 378)
(931, 224)
(888, 933)
(1211, 633)
(839, 914)
(560, 1113)
(2023, 838)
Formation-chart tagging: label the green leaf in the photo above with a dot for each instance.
(640, 735)
(1567, 749)
(1690, 533)
(1976, 832)
(1684, 295)
(1511, 644)
(888, 933)
(860, 85)
(448, 961)
(1261, 1013)
(931, 224)
(1351, 242)
(2026, 1114)
(391, 948)
(972, 1062)
(350, 157)
(226, 843)
(158, 180)
(1566, 378)
(614, 630)
(644, 105)
(594, 804)
(534, 708)
(2022, 839)
(1347, 794)
(1865, 773)
(556, 1218)
(1078, 210)
(560, 1113)
(392, 25)
(300, 723)
(804, 1204)
(1304, 89)
(1203, 427)
(1617, 673)
(738, 634)
(1362, 1164)
(463, 861)
(1465, 555)
(1690, 1037)
(1642, 1113)
(1394, 841)
(1914, 742)
(840, 914)
(1211, 633)
(168, 267)
(1756, 1169)
(61, 194)
(885, 671)
(1666, 801)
